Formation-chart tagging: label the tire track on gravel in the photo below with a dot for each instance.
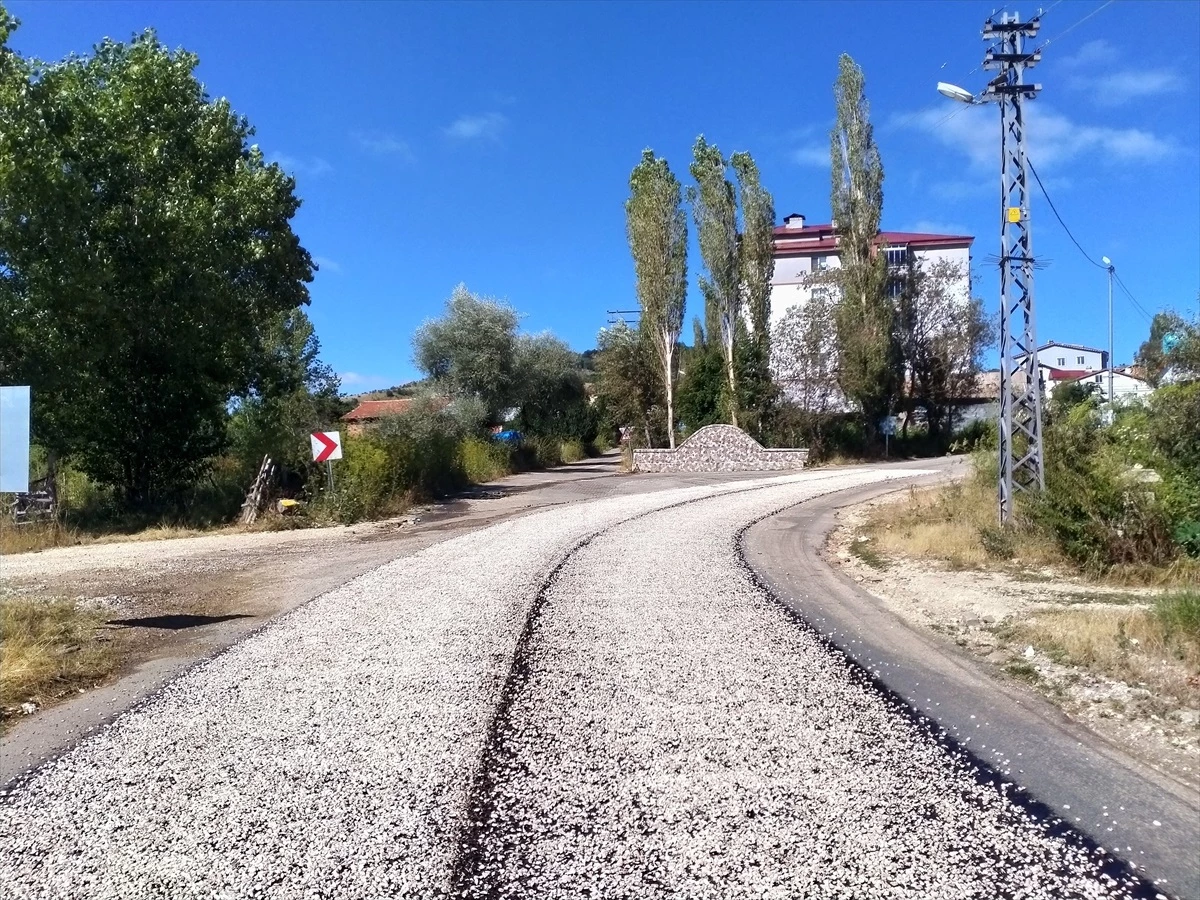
(667, 729)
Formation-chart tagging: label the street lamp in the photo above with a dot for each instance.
(1111, 270)
(1021, 446)
(954, 92)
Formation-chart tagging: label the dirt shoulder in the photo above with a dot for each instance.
(1007, 620)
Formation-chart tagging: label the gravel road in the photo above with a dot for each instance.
(656, 726)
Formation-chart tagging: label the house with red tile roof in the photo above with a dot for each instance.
(370, 412)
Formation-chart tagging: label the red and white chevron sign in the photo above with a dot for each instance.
(326, 445)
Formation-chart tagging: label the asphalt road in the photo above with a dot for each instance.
(1069, 772)
(594, 700)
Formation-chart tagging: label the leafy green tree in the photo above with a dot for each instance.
(703, 387)
(942, 337)
(657, 229)
(630, 384)
(869, 369)
(295, 395)
(714, 207)
(550, 391)
(756, 266)
(145, 250)
(471, 350)
(1182, 359)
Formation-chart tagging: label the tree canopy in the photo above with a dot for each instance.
(657, 229)
(146, 254)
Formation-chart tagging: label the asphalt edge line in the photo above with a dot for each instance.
(984, 773)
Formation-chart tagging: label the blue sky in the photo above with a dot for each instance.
(491, 143)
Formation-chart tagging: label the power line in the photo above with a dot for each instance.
(1133, 299)
(1077, 24)
(1079, 246)
(1054, 210)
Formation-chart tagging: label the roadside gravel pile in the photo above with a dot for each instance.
(672, 732)
(329, 755)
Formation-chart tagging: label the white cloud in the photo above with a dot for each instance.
(1130, 84)
(1092, 73)
(325, 264)
(1052, 137)
(366, 382)
(1090, 54)
(314, 167)
(812, 155)
(484, 127)
(386, 145)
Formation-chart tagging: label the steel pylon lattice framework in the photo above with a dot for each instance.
(1021, 460)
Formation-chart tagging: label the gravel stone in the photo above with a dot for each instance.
(330, 754)
(672, 731)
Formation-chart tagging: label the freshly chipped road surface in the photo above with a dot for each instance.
(620, 708)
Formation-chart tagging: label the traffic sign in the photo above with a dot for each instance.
(326, 445)
(887, 425)
(14, 439)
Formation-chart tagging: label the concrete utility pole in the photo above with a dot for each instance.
(1111, 270)
(1021, 461)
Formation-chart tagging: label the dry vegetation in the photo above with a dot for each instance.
(50, 649)
(1122, 647)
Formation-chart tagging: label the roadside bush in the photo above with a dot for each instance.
(483, 461)
(1094, 506)
(981, 434)
(570, 451)
(1180, 614)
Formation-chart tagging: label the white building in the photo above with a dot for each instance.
(801, 250)
(1071, 357)
(1125, 387)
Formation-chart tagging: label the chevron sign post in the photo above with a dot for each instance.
(326, 447)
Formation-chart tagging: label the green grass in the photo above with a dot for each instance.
(1019, 668)
(1179, 613)
(865, 551)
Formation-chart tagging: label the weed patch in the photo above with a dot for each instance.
(49, 650)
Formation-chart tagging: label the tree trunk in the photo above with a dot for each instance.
(669, 379)
(733, 397)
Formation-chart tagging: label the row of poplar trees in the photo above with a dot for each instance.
(874, 351)
(734, 227)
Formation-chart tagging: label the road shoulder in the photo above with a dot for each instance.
(1149, 819)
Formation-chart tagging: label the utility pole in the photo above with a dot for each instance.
(1021, 461)
(1111, 271)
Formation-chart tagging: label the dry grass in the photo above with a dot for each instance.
(36, 536)
(1158, 646)
(50, 649)
(956, 523)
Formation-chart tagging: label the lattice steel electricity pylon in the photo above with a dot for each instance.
(1021, 461)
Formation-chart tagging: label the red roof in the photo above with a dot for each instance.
(1066, 374)
(818, 238)
(377, 409)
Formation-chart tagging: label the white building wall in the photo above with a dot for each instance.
(1057, 356)
(789, 287)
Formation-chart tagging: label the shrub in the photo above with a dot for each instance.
(981, 434)
(572, 450)
(1180, 614)
(482, 461)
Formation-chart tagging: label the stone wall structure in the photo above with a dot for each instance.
(719, 448)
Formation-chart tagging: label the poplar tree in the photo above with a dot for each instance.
(756, 266)
(714, 207)
(865, 316)
(657, 229)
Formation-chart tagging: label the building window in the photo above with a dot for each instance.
(895, 287)
(820, 263)
(896, 256)
(1062, 360)
(1099, 379)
